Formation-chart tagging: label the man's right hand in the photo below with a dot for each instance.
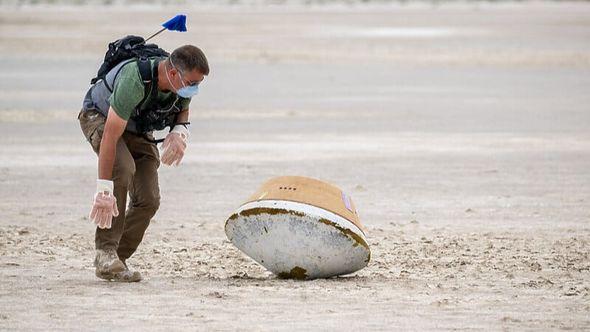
(105, 205)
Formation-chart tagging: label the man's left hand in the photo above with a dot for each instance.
(174, 146)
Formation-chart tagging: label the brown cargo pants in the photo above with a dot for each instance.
(135, 173)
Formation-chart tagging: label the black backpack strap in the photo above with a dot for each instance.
(149, 78)
(145, 71)
(154, 73)
(154, 141)
(184, 124)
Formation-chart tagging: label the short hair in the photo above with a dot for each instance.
(188, 58)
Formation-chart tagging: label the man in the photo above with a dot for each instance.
(119, 127)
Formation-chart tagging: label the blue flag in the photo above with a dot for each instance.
(177, 23)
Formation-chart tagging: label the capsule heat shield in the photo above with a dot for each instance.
(300, 228)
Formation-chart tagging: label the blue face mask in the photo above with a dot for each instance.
(188, 91)
(185, 91)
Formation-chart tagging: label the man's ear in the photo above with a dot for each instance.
(170, 68)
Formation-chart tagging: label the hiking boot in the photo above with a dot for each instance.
(107, 262)
(129, 275)
(126, 275)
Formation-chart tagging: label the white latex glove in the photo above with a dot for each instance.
(174, 146)
(105, 204)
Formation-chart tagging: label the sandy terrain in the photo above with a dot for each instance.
(461, 132)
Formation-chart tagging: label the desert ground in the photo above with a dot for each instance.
(460, 130)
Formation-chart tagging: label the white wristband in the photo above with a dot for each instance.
(104, 185)
(182, 131)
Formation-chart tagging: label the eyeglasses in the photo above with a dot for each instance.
(194, 83)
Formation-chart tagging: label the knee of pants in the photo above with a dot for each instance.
(123, 175)
(151, 206)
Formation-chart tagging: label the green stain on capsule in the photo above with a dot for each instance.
(297, 272)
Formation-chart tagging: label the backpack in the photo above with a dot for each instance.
(126, 48)
(134, 48)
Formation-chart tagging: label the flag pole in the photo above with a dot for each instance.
(155, 34)
(177, 23)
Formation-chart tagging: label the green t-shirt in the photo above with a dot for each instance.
(128, 92)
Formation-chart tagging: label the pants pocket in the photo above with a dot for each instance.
(92, 125)
(96, 137)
